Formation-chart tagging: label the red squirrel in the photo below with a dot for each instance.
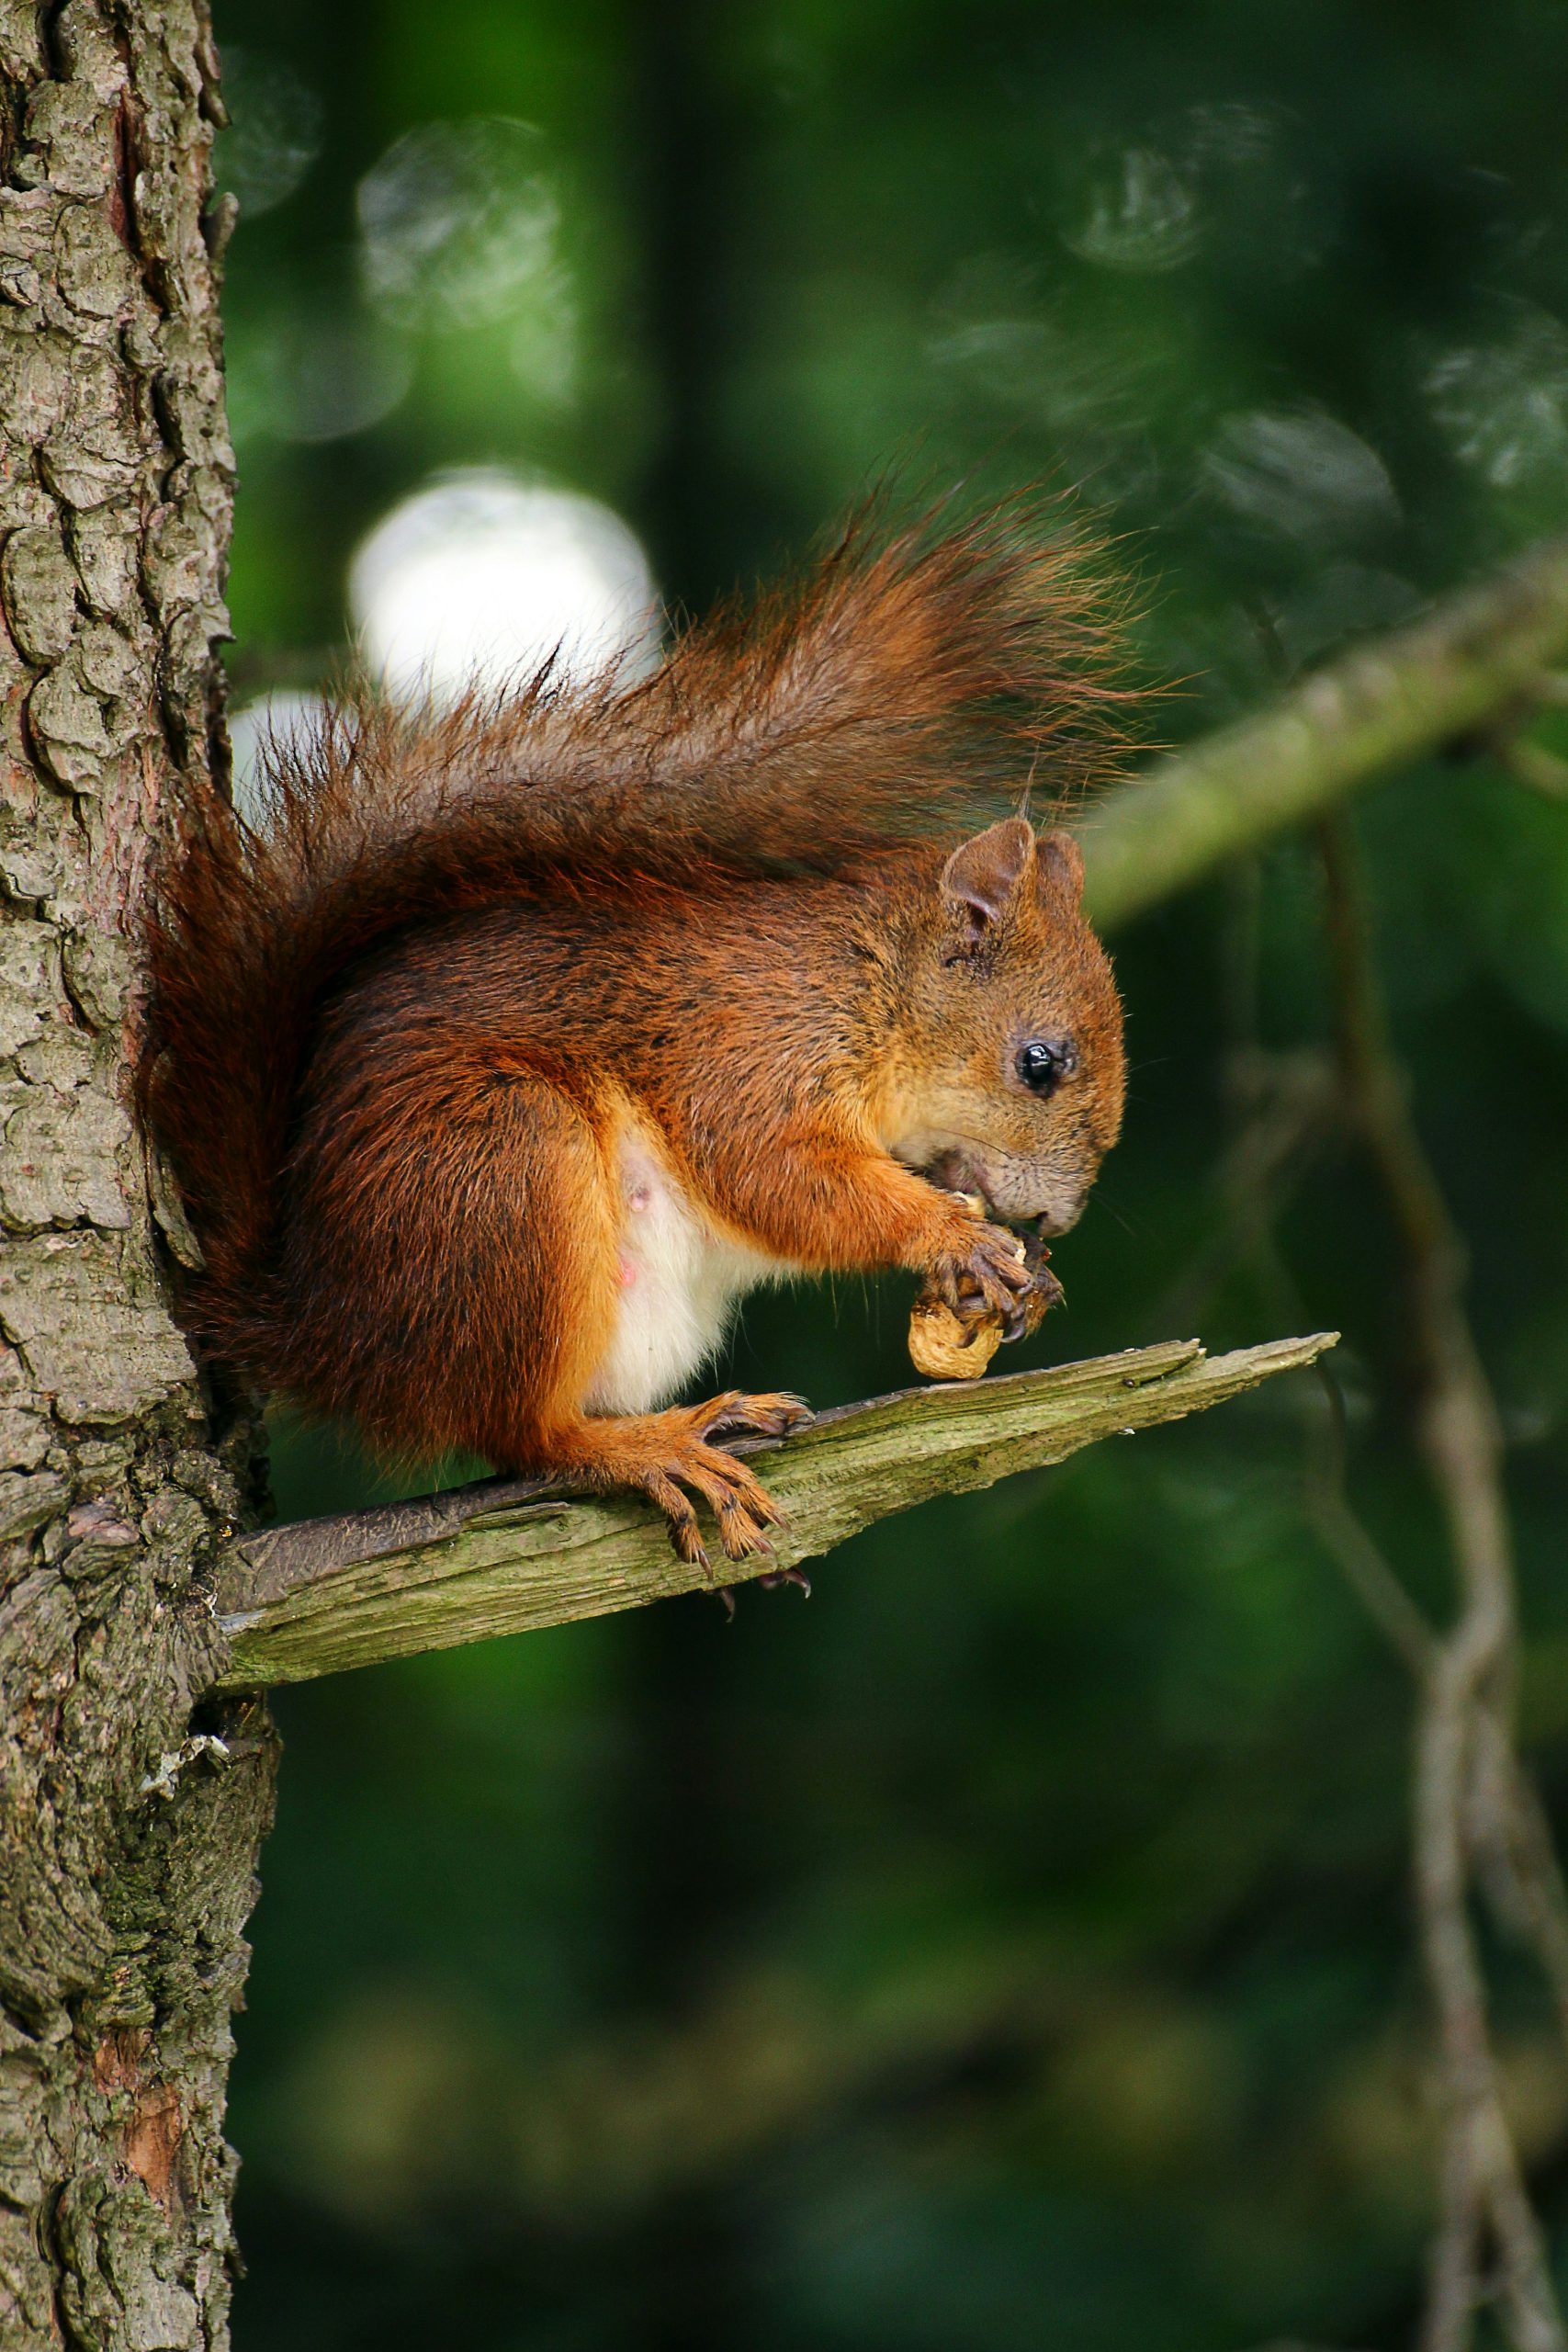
(523, 1038)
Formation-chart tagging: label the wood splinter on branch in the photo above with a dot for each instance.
(508, 1556)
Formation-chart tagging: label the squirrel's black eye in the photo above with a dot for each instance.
(1042, 1067)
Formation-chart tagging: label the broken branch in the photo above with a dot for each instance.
(506, 1556)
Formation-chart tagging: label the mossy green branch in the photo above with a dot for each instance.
(505, 1556)
(1462, 671)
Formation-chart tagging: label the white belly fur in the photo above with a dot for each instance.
(681, 1281)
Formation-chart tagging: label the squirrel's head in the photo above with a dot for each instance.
(1004, 1073)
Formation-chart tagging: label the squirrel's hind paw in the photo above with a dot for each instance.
(742, 1508)
(687, 1463)
(672, 1458)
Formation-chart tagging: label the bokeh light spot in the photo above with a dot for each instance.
(480, 578)
(456, 220)
(273, 133)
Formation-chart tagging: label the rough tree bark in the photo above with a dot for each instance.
(127, 1847)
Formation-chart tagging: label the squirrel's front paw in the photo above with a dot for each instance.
(957, 1339)
(983, 1270)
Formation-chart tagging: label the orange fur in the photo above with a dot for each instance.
(522, 1032)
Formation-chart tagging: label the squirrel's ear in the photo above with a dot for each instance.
(1061, 857)
(983, 877)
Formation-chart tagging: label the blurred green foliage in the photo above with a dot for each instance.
(1012, 1947)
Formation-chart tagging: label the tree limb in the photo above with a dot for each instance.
(1462, 668)
(505, 1556)
(1468, 1779)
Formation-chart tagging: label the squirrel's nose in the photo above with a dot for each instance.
(1065, 1209)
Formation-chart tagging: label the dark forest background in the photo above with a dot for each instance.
(1013, 1947)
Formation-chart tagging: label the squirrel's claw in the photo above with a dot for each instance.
(686, 1540)
(774, 1415)
(772, 1579)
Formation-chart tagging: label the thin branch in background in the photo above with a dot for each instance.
(1516, 1856)
(1275, 1092)
(1479, 1819)
(1343, 1535)
(1289, 1108)
(1465, 1760)
(1278, 1106)
(1282, 1104)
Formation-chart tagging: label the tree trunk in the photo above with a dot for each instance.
(127, 1828)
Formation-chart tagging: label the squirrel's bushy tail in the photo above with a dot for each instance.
(887, 695)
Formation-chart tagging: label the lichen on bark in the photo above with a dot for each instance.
(127, 1846)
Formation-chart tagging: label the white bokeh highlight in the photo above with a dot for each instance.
(480, 577)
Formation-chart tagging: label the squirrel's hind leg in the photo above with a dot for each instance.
(455, 1276)
(557, 1275)
(452, 1262)
(671, 1456)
